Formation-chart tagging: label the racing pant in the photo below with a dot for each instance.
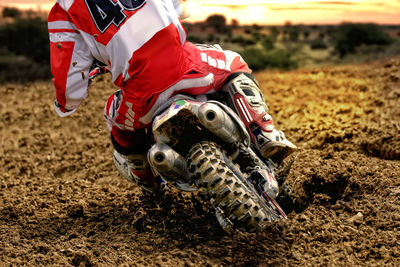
(125, 116)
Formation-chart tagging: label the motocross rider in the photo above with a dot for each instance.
(143, 45)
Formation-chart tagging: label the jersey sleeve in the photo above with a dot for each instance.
(70, 60)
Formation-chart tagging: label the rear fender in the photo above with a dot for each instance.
(225, 123)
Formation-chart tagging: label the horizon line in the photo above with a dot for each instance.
(44, 8)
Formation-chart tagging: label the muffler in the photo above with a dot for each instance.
(215, 119)
(168, 162)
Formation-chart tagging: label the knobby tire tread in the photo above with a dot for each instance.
(240, 205)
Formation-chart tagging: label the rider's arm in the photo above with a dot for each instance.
(70, 62)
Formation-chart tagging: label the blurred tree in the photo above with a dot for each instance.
(318, 44)
(330, 31)
(255, 58)
(195, 39)
(28, 37)
(288, 24)
(294, 33)
(243, 41)
(248, 30)
(211, 38)
(11, 12)
(349, 36)
(228, 39)
(218, 22)
(268, 42)
(286, 29)
(256, 27)
(259, 59)
(274, 33)
(257, 36)
(15, 68)
(306, 34)
(235, 23)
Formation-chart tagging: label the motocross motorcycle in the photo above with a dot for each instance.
(203, 144)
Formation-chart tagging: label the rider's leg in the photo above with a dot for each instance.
(247, 99)
(131, 144)
(231, 75)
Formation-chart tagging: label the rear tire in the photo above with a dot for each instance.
(240, 205)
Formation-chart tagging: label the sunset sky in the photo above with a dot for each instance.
(276, 11)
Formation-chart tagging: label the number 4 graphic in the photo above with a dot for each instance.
(107, 12)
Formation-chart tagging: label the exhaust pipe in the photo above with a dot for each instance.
(168, 162)
(219, 123)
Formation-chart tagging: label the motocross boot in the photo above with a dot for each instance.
(247, 100)
(137, 169)
(133, 164)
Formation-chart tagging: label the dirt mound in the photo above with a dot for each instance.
(63, 203)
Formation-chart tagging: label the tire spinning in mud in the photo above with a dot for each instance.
(240, 186)
(223, 184)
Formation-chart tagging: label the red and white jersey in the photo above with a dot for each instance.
(139, 40)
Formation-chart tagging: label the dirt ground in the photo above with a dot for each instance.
(63, 203)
